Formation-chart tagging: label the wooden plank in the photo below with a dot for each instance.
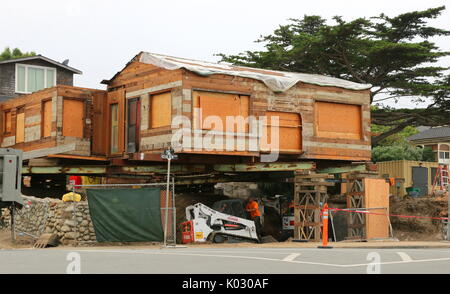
(304, 183)
(20, 127)
(47, 118)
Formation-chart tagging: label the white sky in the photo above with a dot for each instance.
(100, 36)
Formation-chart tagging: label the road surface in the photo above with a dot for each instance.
(225, 261)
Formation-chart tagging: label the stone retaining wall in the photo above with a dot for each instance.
(71, 221)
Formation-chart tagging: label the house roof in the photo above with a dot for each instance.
(433, 133)
(59, 64)
(278, 81)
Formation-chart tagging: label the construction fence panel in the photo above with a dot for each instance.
(126, 215)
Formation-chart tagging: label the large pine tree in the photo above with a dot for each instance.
(394, 54)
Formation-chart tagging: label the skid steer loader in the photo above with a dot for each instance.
(226, 222)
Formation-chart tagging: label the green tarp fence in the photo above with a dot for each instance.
(126, 215)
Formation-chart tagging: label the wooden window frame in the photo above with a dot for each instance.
(43, 116)
(4, 131)
(110, 151)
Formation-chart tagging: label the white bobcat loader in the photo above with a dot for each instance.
(206, 224)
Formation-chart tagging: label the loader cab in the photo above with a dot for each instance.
(234, 207)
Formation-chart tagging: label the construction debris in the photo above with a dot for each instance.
(46, 240)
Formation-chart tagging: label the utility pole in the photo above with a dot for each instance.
(169, 155)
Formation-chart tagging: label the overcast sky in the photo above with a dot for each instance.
(100, 36)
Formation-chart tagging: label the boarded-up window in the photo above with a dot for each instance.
(221, 105)
(161, 110)
(288, 130)
(7, 121)
(20, 125)
(114, 128)
(73, 113)
(337, 120)
(47, 118)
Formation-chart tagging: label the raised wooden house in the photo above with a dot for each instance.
(319, 117)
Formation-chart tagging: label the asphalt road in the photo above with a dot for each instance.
(226, 261)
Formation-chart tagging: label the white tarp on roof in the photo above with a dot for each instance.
(277, 81)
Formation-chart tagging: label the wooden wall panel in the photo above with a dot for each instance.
(160, 110)
(338, 120)
(73, 118)
(377, 195)
(222, 105)
(289, 132)
(99, 123)
(47, 118)
(20, 126)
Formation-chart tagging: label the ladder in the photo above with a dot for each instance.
(441, 178)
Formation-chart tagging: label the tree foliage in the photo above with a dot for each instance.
(394, 54)
(8, 54)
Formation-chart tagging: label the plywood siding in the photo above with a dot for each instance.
(20, 126)
(376, 196)
(161, 110)
(338, 120)
(288, 126)
(47, 118)
(73, 118)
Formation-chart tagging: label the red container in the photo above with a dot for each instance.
(187, 232)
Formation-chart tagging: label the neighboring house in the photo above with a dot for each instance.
(439, 141)
(30, 74)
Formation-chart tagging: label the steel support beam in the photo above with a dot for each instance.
(156, 169)
(343, 169)
(264, 167)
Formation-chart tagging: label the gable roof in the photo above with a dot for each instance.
(59, 64)
(277, 81)
(433, 133)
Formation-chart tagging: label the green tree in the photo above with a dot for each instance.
(7, 54)
(396, 152)
(394, 54)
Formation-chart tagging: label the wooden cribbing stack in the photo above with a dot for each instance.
(310, 192)
(356, 199)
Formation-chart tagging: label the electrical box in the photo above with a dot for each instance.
(10, 175)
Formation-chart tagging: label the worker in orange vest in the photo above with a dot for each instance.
(252, 208)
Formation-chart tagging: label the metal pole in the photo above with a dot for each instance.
(448, 221)
(13, 226)
(167, 201)
(174, 211)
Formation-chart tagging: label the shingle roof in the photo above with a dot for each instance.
(439, 132)
(74, 70)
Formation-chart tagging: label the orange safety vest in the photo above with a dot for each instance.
(253, 205)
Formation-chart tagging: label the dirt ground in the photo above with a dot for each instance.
(418, 229)
(21, 241)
